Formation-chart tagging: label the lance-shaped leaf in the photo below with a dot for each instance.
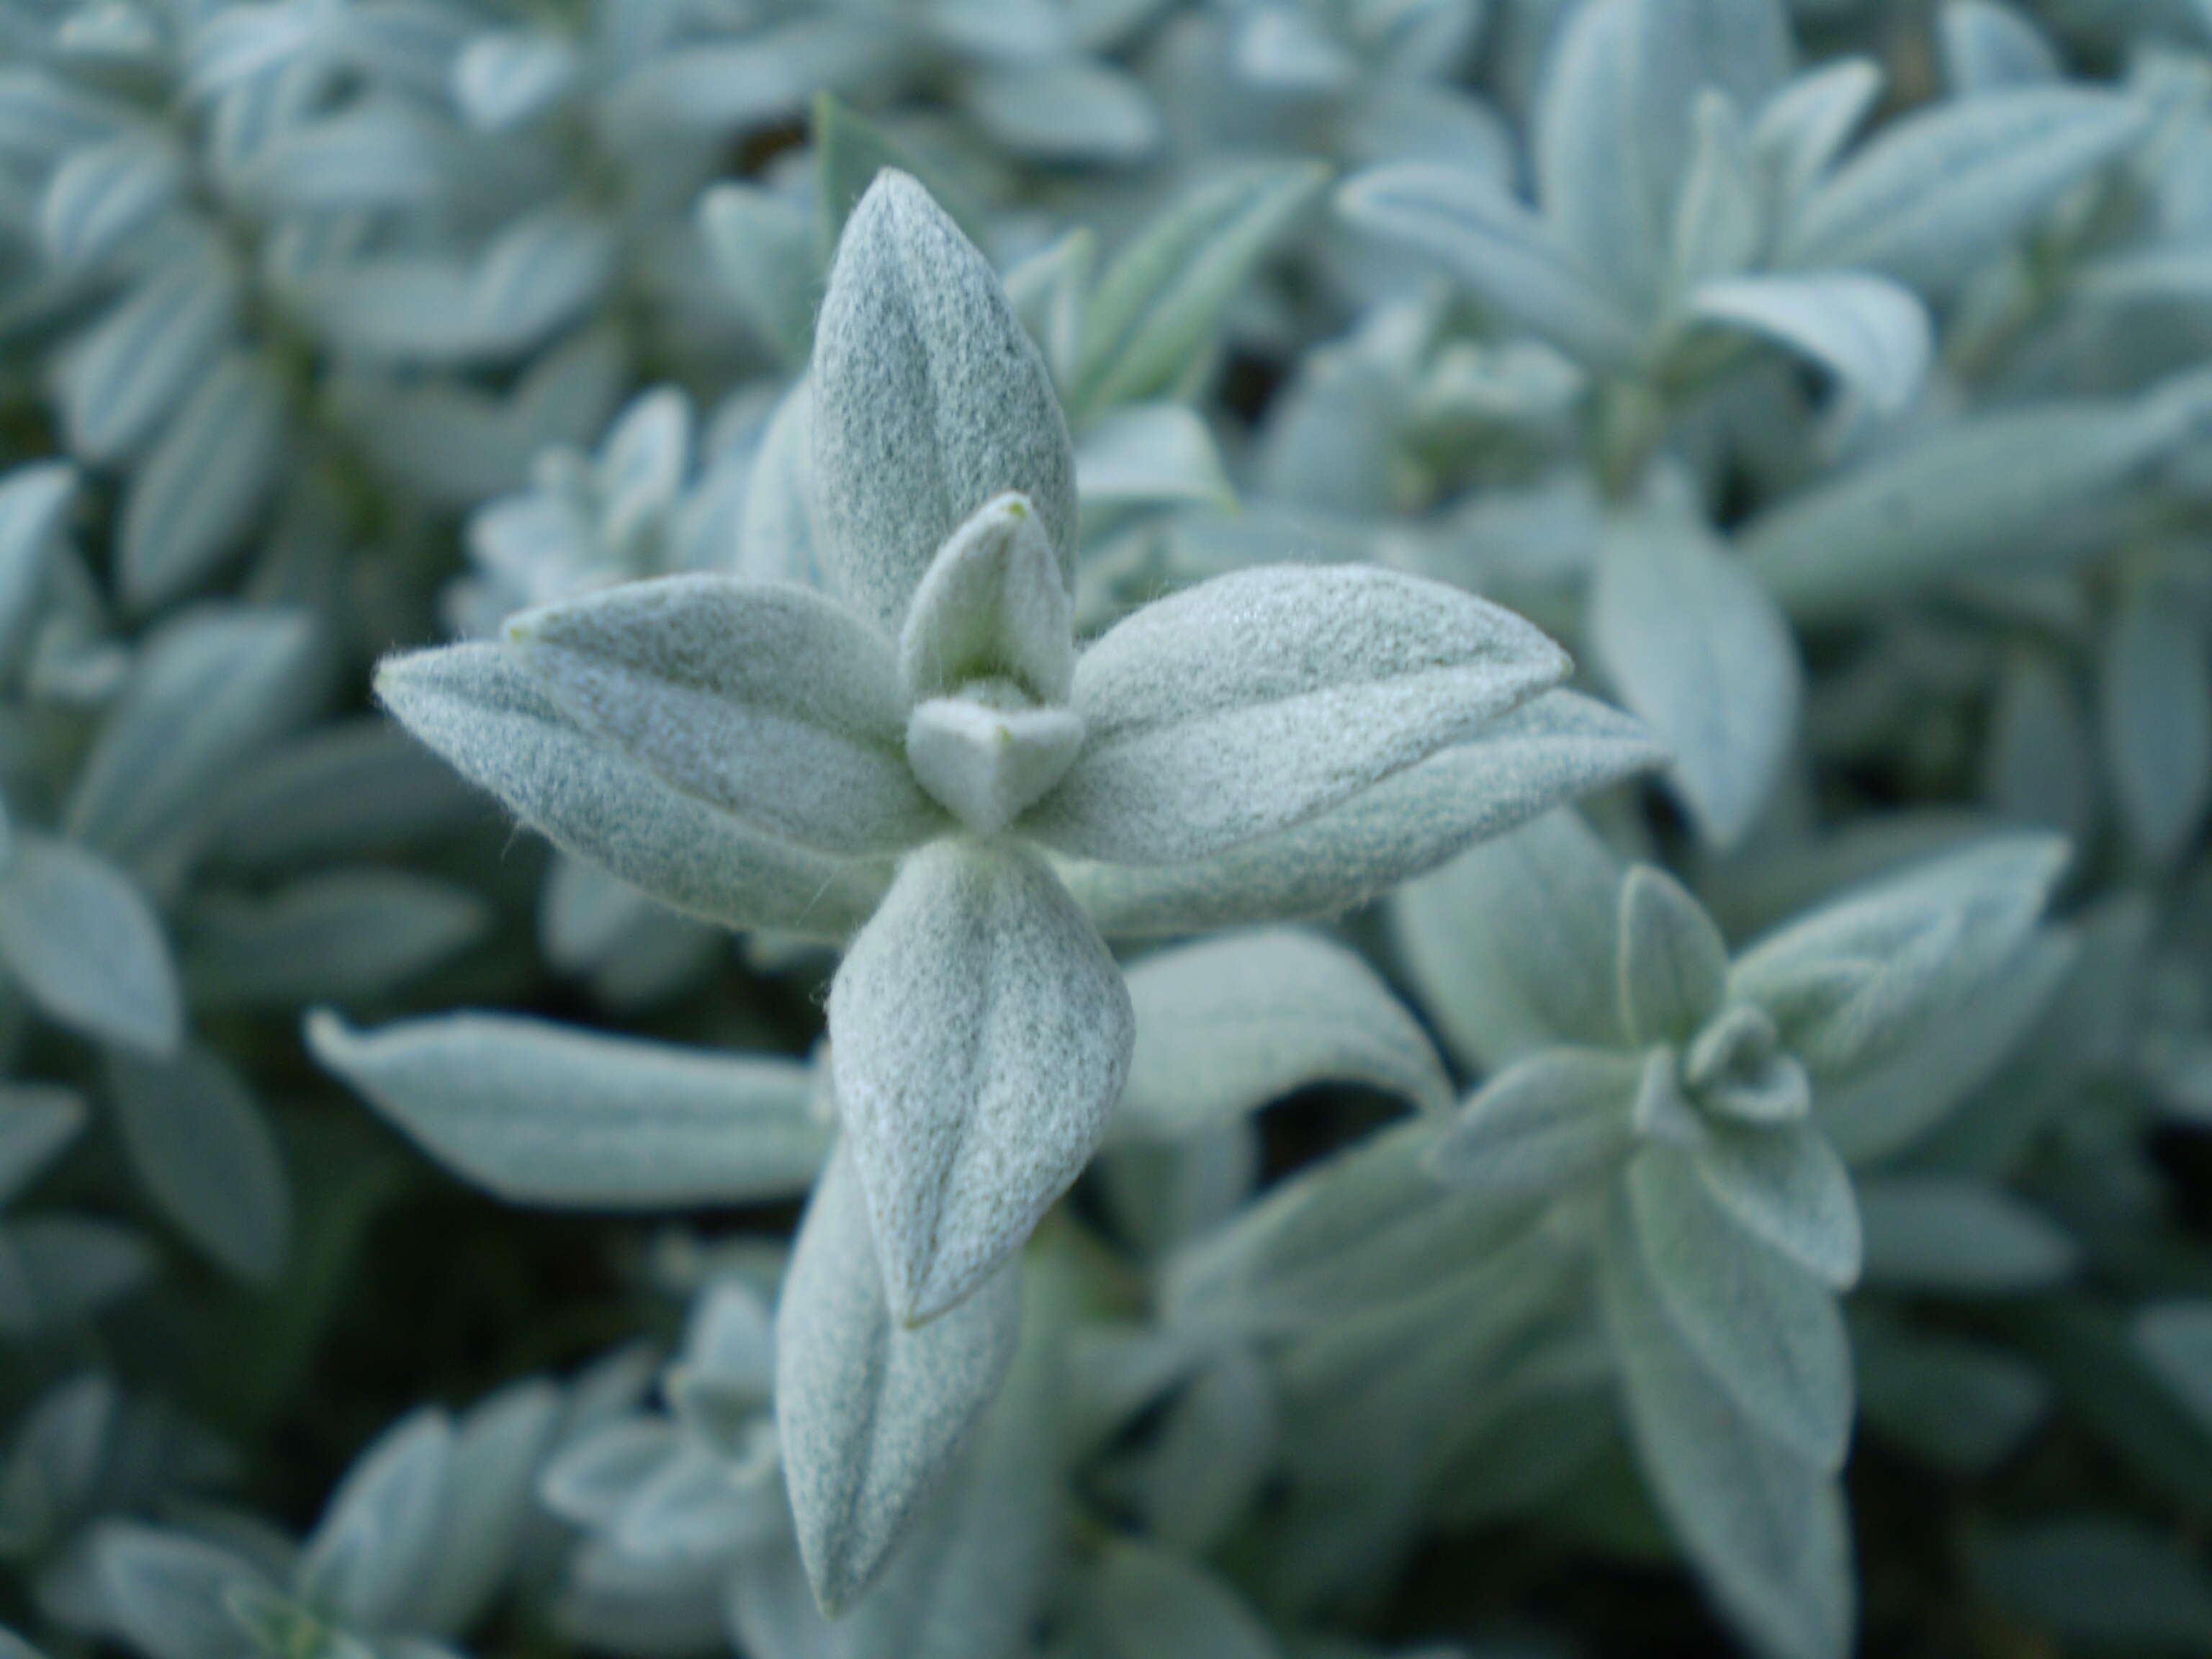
(1765, 1527)
(477, 707)
(1786, 1185)
(169, 1593)
(1674, 963)
(1546, 752)
(81, 939)
(378, 1537)
(1957, 1235)
(871, 1412)
(206, 1154)
(1254, 700)
(35, 504)
(542, 1113)
(1541, 1124)
(1699, 650)
(1226, 1026)
(2157, 709)
(1867, 331)
(991, 606)
(1938, 194)
(770, 701)
(980, 1033)
(1766, 1330)
(1508, 257)
(929, 399)
(37, 1121)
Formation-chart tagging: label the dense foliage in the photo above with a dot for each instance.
(1105, 828)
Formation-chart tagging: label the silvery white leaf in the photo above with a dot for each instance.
(691, 1508)
(123, 375)
(1988, 47)
(589, 1479)
(34, 503)
(1766, 1528)
(1963, 499)
(1673, 960)
(780, 537)
(1764, 1327)
(929, 400)
(872, 1413)
(37, 1121)
(1785, 1184)
(346, 787)
(1857, 975)
(1145, 1602)
(539, 1113)
(1156, 305)
(378, 151)
(763, 250)
(209, 686)
(378, 1537)
(504, 78)
(991, 605)
(237, 43)
(1718, 223)
(1148, 454)
(765, 701)
(725, 85)
(1867, 331)
(168, 1592)
(1210, 1463)
(1303, 686)
(1075, 111)
(206, 1155)
(1806, 124)
(478, 708)
(1614, 124)
(769, 1610)
(1541, 1125)
(1513, 947)
(2157, 717)
(1944, 190)
(103, 195)
(1552, 749)
(1511, 259)
(1356, 1229)
(490, 1502)
(980, 1033)
(986, 759)
(339, 936)
(1227, 1026)
(1699, 651)
(198, 490)
(85, 945)
(1952, 1234)
(2037, 766)
(979, 1560)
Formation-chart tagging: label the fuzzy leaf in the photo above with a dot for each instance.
(543, 1113)
(2157, 714)
(206, 1154)
(1551, 749)
(477, 707)
(37, 1121)
(362, 1564)
(991, 606)
(1508, 257)
(768, 701)
(1869, 332)
(872, 1413)
(1943, 191)
(35, 504)
(199, 489)
(1957, 1236)
(1766, 1527)
(1541, 1125)
(980, 1033)
(1147, 1603)
(1766, 1328)
(169, 1592)
(1158, 299)
(1699, 651)
(929, 400)
(1259, 699)
(1226, 1027)
(1674, 963)
(86, 946)
(1785, 1184)
(343, 935)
